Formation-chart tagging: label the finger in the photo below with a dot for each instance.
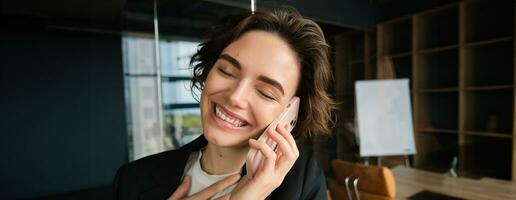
(287, 160)
(288, 137)
(283, 145)
(225, 197)
(183, 189)
(290, 140)
(243, 181)
(216, 187)
(269, 155)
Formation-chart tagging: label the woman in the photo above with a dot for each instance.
(247, 70)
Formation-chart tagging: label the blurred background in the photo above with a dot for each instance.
(88, 85)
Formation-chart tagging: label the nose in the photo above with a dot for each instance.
(239, 95)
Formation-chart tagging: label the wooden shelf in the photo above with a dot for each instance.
(396, 37)
(437, 110)
(488, 88)
(436, 90)
(486, 157)
(485, 20)
(435, 150)
(430, 26)
(438, 69)
(489, 65)
(489, 111)
(437, 49)
(399, 55)
(437, 130)
(490, 41)
(488, 134)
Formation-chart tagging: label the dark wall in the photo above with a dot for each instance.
(62, 112)
(360, 14)
(397, 8)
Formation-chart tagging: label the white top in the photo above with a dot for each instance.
(201, 179)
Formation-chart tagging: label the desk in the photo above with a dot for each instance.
(410, 181)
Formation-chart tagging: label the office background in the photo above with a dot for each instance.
(64, 84)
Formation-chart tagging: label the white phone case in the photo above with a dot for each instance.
(289, 115)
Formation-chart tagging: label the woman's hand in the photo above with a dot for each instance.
(275, 165)
(183, 189)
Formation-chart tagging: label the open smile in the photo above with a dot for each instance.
(227, 119)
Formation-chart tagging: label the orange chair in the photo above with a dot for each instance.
(362, 182)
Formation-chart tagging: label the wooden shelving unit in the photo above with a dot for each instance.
(460, 59)
(487, 89)
(355, 60)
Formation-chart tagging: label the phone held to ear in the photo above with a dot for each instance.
(288, 115)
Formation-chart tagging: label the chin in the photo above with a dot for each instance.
(222, 139)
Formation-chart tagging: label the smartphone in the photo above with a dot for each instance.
(288, 115)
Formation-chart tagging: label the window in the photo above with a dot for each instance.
(181, 114)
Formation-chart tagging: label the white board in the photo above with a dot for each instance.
(384, 117)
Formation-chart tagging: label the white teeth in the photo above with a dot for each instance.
(223, 116)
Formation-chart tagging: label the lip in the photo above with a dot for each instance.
(233, 115)
(225, 124)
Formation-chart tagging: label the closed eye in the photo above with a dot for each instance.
(224, 72)
(266, 95)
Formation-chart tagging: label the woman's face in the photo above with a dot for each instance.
(247, 87)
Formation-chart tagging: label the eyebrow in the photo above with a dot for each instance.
(263, 78)
(272, 82)
(232, 60)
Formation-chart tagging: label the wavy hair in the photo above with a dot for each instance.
(304, 36)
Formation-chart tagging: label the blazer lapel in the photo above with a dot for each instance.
(169, 171)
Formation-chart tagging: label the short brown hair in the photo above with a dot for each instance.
(304, 36)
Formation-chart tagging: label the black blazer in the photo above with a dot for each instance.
(157, 176)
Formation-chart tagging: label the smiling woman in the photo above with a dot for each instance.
(262, 75)
(247, 72)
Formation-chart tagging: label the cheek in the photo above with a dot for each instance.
(265, 114)
(215, 83)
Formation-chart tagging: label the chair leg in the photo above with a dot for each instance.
(355, 188)
(346, 183)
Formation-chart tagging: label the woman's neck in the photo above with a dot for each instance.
(223, 160)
